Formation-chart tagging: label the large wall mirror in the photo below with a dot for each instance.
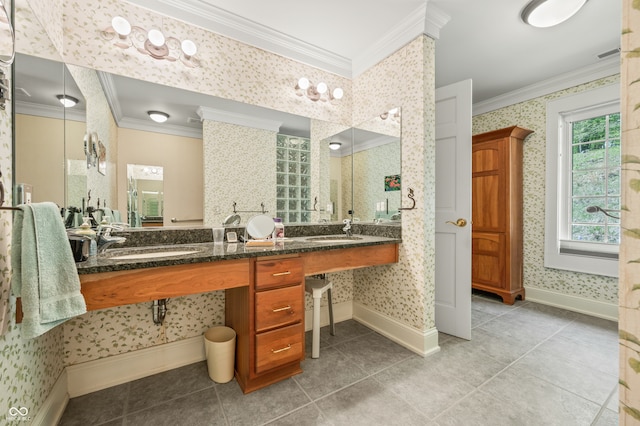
(212, 166)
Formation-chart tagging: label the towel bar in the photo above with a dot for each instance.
(174, 220)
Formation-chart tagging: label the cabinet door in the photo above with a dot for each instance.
(278, 307)
(488, 259)
(488, 187)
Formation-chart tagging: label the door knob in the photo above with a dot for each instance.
(461, 223)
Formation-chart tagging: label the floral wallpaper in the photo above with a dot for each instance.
(370, 167)
(99, 121)
(242, 158)
(29, 368)
(405, 291)
(532, 115)
(629, 324)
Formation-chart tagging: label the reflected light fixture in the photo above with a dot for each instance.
(67, 101)
(319, 92)
(393, 114)
(334, 145)
(547, 13)
(158, 116)
(152, 42)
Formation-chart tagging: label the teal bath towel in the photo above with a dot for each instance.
(44, 273)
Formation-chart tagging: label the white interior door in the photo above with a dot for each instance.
(453, 209)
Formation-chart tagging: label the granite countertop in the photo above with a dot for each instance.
(210, 252)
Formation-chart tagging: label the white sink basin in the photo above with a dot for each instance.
(334, 239)
(153, 254)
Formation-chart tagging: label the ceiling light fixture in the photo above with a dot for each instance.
(334, 145)
(67, 101)
(547, 13)
(158, 116)
(319, 92)
(152, 43)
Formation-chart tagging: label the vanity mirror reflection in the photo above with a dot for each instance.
(366, 162)
(177, 147)
(145, 195)
(48, 134)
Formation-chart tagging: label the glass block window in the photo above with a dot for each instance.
(293, 179)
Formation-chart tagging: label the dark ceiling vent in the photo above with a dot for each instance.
(609, 53)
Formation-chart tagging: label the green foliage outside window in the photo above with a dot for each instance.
(595, 160)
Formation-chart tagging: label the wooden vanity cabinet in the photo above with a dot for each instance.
(496, 238)
(268, 318)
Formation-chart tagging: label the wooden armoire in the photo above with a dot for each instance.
(496, 233)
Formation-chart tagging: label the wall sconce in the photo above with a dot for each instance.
(152, 43)
(319, 92)
(547, 13)
(158, 116)
(67, 101)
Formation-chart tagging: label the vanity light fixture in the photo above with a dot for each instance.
(152, 42)
(547, 13)
(393, 114)
(67, 101)
(158, 116)
(319, 92)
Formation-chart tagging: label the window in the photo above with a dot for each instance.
(582, 226)
(293, 176)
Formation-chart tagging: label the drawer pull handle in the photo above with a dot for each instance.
(279, 274)
(277, 351)
(284, 308)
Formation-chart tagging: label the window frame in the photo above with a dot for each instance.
(560, 253)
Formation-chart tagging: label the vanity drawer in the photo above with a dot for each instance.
(278, 272)
(278, 307)
(279, 347)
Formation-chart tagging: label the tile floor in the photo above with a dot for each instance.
(527, 364)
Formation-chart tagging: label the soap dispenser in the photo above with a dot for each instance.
(85, 229)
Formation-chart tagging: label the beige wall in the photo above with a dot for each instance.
(181, 159)
(40, 156)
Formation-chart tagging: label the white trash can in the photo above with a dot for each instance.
(220, 350)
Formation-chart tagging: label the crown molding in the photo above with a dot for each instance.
(165, 129)
(426, 19)
(110, 92)
(39, 110)
(213, 114)
(220, 21)
(604, 68)
(372, 143)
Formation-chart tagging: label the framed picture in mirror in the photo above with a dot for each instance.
(392, 183)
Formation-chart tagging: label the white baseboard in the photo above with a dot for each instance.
(103, 373)
(51, 411)
(423, 343)
(573, 303)
(341, 312)
(92, 376)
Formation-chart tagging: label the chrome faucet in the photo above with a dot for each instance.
(347, 227)
(104, 238)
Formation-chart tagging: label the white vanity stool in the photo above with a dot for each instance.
(316, 286)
